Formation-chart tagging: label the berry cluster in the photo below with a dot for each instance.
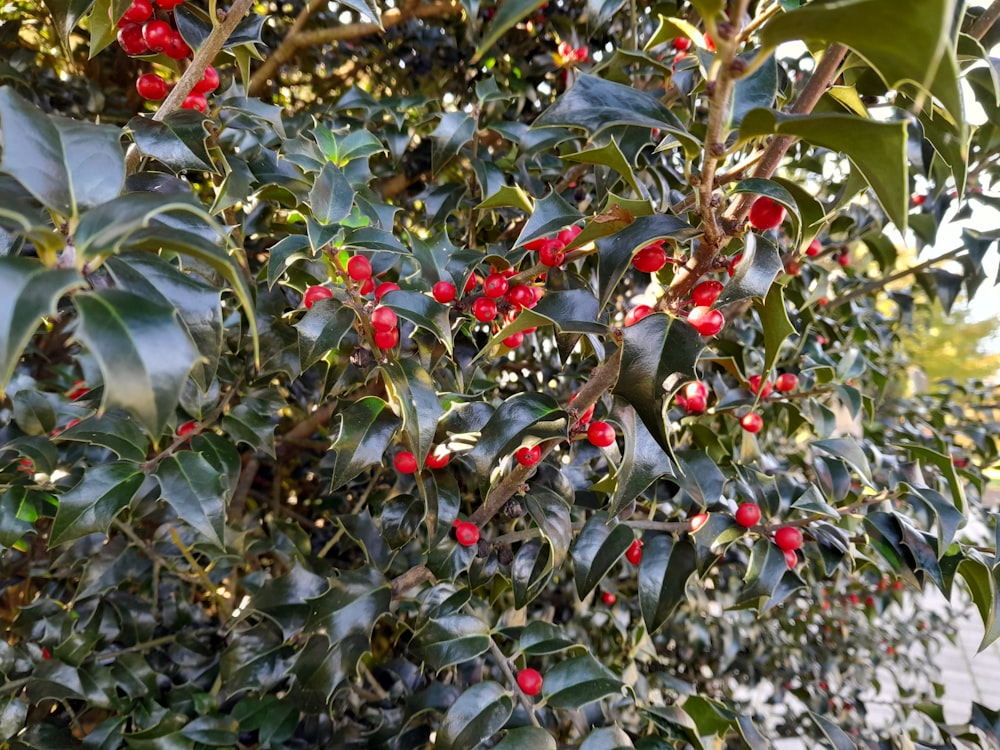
(141, 31)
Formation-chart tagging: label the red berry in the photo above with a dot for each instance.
(601, 434)
(530, 681)
(695, 389)
(752, 422)
(705, 293)
(46, 654)
(844, 259)
(444, 292)
(788, 538)
(791, 559)
(608, 598)
(467, 533)
(637, 313)
(792, 268)
(551, 256)
(709, 43)
(471, 283)
(314, 294)
(130, 39)
(169, 4)
(367, 286)
(814, 249)
(72, 423)
(787, 381)
(384, 288)
(139, 11)
(650, 259)
(157, 35)
(754, 381)
(195, 101)
(187, 428)
(705, 320)
(438, 459)
(698, 520)
(748, 514)
(78, 391)
(209, 81)
(26, 465)
(151, 86)
(682, 44)
(405, 462)
(177, 49)
(359, 268)
(766, 213)
(521, 296)
(512, 342)
(384, 319)
(495, 285)
(386, 339)
(693, 404)
(484, 309)
(528, 456)
(569, 234)
(634, 553)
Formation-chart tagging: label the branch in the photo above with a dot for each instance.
(815, 87)
(871, 286)
(284, 51)
(202, 59)
(297, 39)
(985, 21)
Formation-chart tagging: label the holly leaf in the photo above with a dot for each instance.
(28, 292)
(195, 490)
(479, 713)
(754, 274)
(91, 506)
(598, 547)
(366, 427)
(575, 682)
(666, 567)
(144, 353)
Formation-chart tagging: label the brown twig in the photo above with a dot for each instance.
(866, 289)
(202, 59)
(295, 41)
(985, 21)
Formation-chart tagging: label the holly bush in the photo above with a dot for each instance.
(416, 352)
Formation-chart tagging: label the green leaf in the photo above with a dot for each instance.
(903, 48)
(479, 713)
(93, 503)
(423, 311)
(774, 320)
(659, 352)
(607, 738)
(666, 566)
(414, 396)
(569, 311)
(848, 450)
(525, 738)
(524, 415)
(876, 149)
(946, 466)
(608, 155)
(14, 711)
(197, 303)
(615, 252)
(195, 490)
(540, 638)
(28, 291)
(837, 736)
(598, 548)
(454, 639)
(755, 272)
(322, 328)
(65, 164)
(578, 681)
(949, 520)
(507, 196)
(509, 13)
(179, 141)
(251, 422)
(701, 477)
(331, 196)
(454, 130)
(552, 214)
(768, 580)
(350, 608)
(215, 731)
(144, 353)
(66, 14)
(643, 460)
(756, 90)
(594, 104)
(366, 428)
(984, 584)
(530, 571)
(550, 510)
